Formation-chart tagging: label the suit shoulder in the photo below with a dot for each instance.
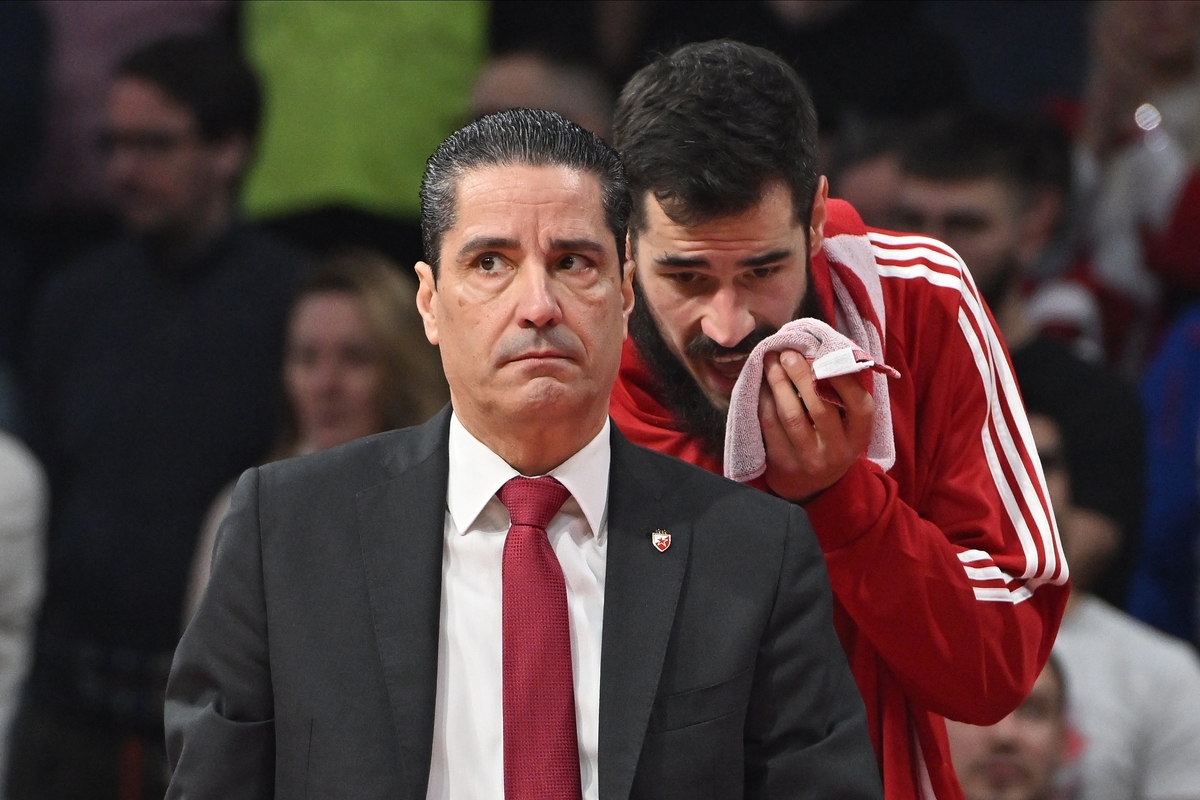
(361, 463)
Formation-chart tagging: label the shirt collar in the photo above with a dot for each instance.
(476, 474)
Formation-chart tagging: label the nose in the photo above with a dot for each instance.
(726, 320)
(537, 305)
(326, 378)
(119, 165)
(1006, 731)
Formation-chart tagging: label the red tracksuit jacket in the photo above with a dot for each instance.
(947, 572)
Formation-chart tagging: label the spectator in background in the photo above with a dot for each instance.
(154, 382)
(360, 94)
(22, 530)
(866, 172)
(1165, 591)
(531, 80)
(1134, 693)
(972, 181)
(23, 56)
(1019, 757)
(356, 362)
(1139, 147)
(67, 211)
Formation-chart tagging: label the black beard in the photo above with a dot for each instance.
(676, 387)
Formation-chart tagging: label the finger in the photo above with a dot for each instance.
(825, 417)
(860, 409)
(793, 413)
(781, 452)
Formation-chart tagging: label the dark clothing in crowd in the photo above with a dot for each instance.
(1102, 429)
(24, 49)
(152, 386)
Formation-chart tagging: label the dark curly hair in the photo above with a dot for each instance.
(705, 127)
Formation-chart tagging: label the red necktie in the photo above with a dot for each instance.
(541, 752)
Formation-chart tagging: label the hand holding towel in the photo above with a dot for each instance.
(831, 354)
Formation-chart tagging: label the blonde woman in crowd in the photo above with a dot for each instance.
(356, 362)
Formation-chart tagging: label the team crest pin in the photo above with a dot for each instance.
(661, 540)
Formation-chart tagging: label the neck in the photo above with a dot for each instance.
(186, 243)
(534, 447)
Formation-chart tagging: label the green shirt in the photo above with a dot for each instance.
(358, 96)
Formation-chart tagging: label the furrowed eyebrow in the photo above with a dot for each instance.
(766, 258)
(579, 245)
(670, 260)
(691, 262)
(486, 243)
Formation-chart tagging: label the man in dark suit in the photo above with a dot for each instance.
(411, 616)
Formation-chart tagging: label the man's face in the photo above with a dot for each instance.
(1016, 758)
(717, 288)
(529, 307)
(979, 218)
(165, 179)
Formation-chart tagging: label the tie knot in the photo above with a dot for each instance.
(533, 501)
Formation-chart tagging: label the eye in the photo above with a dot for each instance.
(764, 272)
(572, 261)
(682, 277)
(489, 263)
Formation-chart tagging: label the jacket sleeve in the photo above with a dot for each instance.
(806, 733)
(960, 592)
(219, 704)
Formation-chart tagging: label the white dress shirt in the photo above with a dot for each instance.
(468, 722)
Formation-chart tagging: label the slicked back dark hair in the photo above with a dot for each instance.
(526, 137)
(208, 75)
(705, 128)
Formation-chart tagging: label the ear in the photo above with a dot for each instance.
(232, 156)
(427, 300)
(1039, 222)
(627, 292)
(820, 213)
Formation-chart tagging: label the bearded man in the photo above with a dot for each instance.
(924, 492)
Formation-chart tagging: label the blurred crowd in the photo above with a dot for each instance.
(209, 219)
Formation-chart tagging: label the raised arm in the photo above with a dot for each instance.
(961, 591)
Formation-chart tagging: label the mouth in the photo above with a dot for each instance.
(1002, 773)
(720, 372)
(542, 361)
(542, 355)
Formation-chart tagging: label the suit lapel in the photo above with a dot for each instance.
(641, 590)
(401, 524)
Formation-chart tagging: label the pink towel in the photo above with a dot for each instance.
(831, 354)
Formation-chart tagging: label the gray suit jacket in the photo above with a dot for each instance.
(310, 668)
